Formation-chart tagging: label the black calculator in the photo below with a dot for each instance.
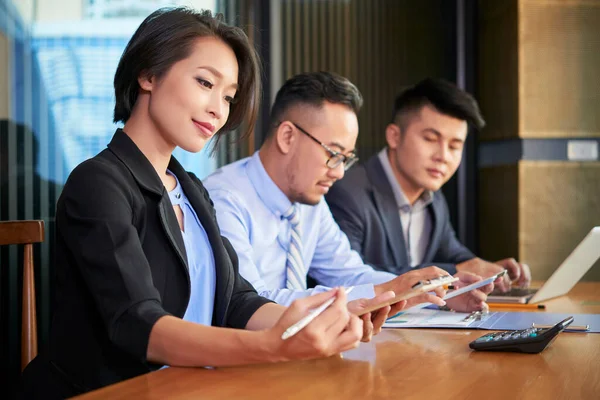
(530, 340)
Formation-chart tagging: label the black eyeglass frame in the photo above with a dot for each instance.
(335, 157)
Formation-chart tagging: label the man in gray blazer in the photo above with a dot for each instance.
(391, 207)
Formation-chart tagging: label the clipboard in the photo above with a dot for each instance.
(424, 287)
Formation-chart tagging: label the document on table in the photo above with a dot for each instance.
(428, 318)
(499, 321)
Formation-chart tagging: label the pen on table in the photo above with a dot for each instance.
(292, 330)
(580, 328)
(518, 305)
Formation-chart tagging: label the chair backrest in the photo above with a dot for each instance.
(26, 233)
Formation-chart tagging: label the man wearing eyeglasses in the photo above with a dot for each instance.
(271, 205)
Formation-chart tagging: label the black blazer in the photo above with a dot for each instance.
(121, 265)
(364, 206)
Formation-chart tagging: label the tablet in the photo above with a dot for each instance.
(419, 288)
(475, 285)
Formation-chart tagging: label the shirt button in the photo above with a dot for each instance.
(177, 195)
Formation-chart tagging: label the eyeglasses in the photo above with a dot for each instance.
(335, 157)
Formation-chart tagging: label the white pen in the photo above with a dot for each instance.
(292, 330)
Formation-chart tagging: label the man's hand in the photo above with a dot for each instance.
(486, 269)
(520, 274)
(405, 282)
(473, 300)
(373, 321)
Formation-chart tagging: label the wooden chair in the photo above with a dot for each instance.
(27, 233)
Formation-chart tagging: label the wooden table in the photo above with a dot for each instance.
(401, 363)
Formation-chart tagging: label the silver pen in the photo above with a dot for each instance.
(292, 330)
(576, 328)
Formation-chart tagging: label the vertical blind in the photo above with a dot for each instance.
(380, 45)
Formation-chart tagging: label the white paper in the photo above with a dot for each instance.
(426, 317)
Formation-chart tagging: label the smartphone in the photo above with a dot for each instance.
(417, 289)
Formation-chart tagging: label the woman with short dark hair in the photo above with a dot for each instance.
(143, 276)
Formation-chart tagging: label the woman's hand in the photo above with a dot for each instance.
(334, 331)
(373, 321)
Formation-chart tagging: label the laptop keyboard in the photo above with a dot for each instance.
(516, 292)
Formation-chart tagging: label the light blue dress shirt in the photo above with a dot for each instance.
(200, 258)
(249, 208)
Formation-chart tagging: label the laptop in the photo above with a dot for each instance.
(563, 279)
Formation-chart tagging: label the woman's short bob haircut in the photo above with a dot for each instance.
(165, 37)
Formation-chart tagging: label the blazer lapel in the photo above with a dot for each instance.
(145, 175)
(205, 212)
(169, 222)
(386, 205)
(437, 213)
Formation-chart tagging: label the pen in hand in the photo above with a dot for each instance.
(292, 330)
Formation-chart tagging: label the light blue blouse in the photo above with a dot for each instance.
(200, 258)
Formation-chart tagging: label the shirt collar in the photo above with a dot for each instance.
(176, 195)
(424, 200)
(270, 194)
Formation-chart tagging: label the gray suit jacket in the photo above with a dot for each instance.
(364, 206)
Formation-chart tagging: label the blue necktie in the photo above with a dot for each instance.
(295, 271)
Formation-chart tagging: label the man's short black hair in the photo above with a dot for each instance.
(314, 89)
(445, 97)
